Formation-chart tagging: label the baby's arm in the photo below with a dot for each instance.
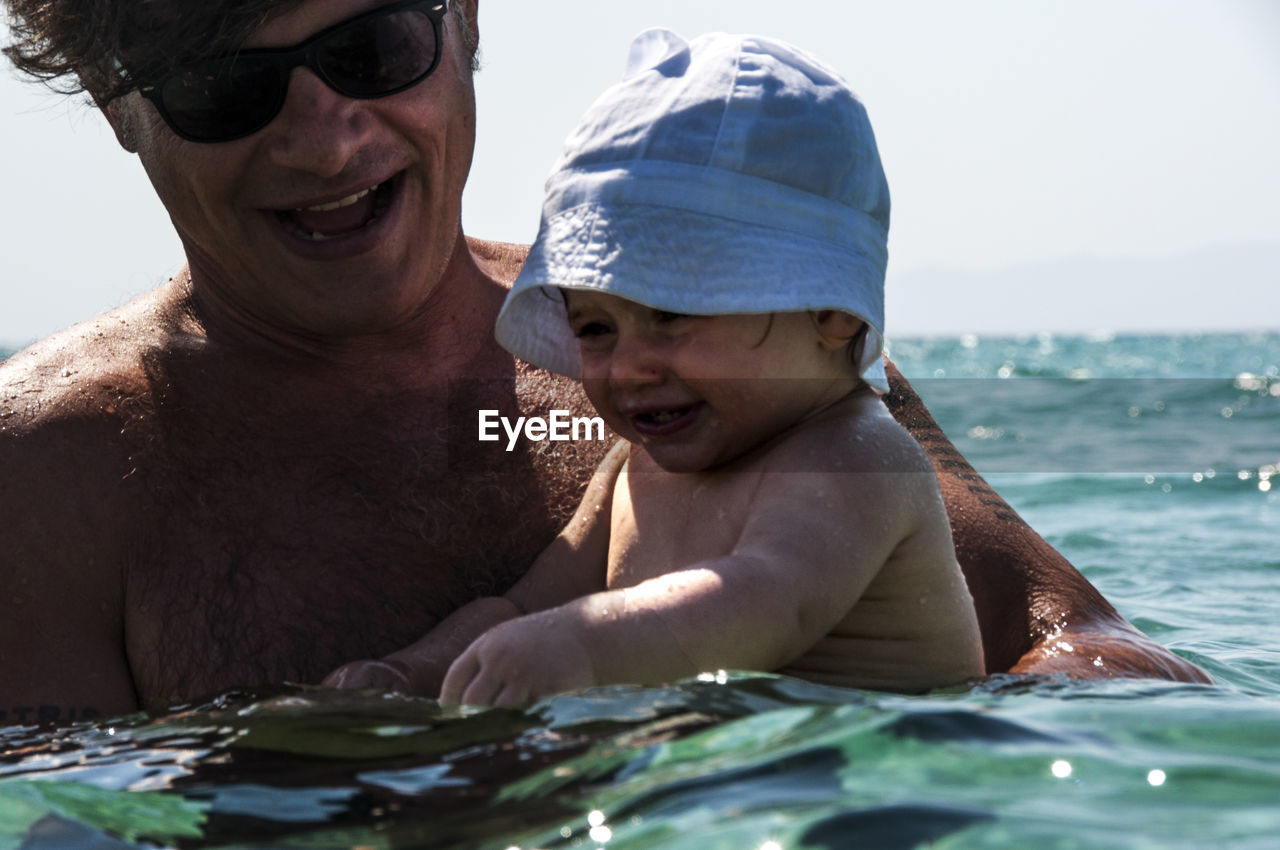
(572, 565)
(811, 545)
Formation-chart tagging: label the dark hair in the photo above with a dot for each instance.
(109, 47)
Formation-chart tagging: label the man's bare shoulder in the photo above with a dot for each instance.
(92, 372)
(500, 260)
(74, 406)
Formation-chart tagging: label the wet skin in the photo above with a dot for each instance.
(268, 467)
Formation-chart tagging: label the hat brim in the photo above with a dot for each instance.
(684, 262)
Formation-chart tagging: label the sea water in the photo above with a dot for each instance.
(1149, 461)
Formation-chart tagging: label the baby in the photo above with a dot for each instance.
(711, 265)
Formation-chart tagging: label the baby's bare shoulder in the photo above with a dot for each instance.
(857, 434)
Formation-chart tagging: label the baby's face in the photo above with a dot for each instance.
(699, 391)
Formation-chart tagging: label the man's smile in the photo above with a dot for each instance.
(331, 219)
(346, 223)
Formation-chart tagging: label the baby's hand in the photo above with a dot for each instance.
(384, 675)
(520, 661)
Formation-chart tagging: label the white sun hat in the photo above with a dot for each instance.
(730, 174)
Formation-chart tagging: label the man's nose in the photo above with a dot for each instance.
(318, 130)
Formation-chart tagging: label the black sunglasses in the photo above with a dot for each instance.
(375, 54)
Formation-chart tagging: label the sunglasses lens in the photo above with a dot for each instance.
(213, 101)
(379, 55)
(374, 55)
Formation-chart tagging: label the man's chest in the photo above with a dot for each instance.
(278, 564)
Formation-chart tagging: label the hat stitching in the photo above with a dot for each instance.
(724, 106)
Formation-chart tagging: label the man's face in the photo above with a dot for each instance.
(340, 216)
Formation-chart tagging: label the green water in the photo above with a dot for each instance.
(703, 765)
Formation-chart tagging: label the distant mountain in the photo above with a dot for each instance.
(1228, 287)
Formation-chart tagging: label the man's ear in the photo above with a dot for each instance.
(121, 117)
(835, 328)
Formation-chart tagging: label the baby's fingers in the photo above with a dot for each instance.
(463, 669)
(510, 695)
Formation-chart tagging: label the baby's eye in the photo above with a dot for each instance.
(590, 329)
(668, 316)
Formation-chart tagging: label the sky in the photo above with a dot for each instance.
(1054, 166)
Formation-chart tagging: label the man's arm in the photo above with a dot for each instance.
(1037, 613)
(62, 636)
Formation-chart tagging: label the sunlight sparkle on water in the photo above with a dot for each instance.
(770, 845)
(1156, 777)
(599, 832)
(1061, 768)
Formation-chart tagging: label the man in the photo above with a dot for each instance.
(269, 465)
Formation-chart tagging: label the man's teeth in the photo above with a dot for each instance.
(338, 204)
